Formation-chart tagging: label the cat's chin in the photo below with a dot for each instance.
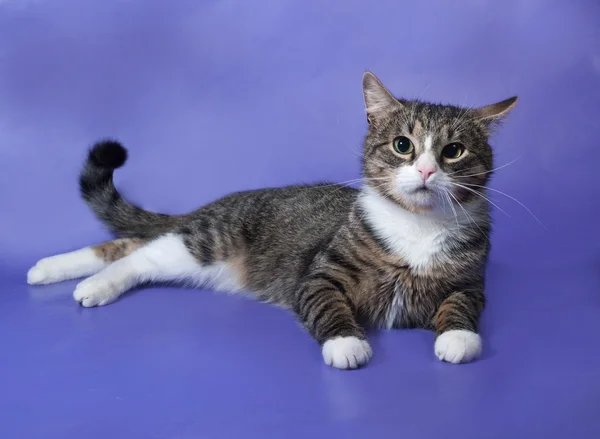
(415, 206)
(422, 199)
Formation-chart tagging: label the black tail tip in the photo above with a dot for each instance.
(108, 154)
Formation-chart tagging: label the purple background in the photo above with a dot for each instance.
(216, 96)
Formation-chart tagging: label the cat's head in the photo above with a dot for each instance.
(422, 155)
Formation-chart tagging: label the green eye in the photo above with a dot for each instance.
(453, 150)
(403, 145)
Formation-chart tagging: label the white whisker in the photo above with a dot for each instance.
(462, 116)
(486, 172)
(446, 197)
(482, 173)
(512, 198)
(354, 180)
(468, 215)
(482, 196)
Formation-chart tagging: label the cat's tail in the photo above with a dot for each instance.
(99, 192)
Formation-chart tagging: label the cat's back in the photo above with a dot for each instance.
(321, 198)
(293, 203)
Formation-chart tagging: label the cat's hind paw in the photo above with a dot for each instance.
(346, 352)
(458, 346)
(43, 272)
(95, 291)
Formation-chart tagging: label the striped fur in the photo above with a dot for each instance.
(389, 255)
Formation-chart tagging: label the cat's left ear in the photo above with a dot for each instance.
(378, 100)
(495, 112)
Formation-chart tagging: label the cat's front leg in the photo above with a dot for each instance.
(329, 315)
(456, 322)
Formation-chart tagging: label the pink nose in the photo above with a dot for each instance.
(426, 171)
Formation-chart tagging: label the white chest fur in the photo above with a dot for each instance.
(419, 239)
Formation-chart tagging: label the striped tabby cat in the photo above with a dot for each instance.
(408, 249)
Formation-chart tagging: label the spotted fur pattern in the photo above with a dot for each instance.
(400, 252)
(116, 249)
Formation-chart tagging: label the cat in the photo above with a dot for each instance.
(406, 250)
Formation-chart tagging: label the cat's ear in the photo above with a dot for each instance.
(378, 100)
(495, 112)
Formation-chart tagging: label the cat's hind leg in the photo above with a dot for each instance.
(165, 259)
(81, 263)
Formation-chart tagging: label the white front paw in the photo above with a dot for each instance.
(458, 346)
(95, 291)
(346, 352)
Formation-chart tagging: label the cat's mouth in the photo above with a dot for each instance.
(423, 190)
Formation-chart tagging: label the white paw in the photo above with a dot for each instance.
(45, 271)
(346, 352)
(458, 346)
(95, 291)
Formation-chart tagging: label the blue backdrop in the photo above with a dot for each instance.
(246, 94)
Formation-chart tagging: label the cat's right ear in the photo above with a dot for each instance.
(378, 100)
